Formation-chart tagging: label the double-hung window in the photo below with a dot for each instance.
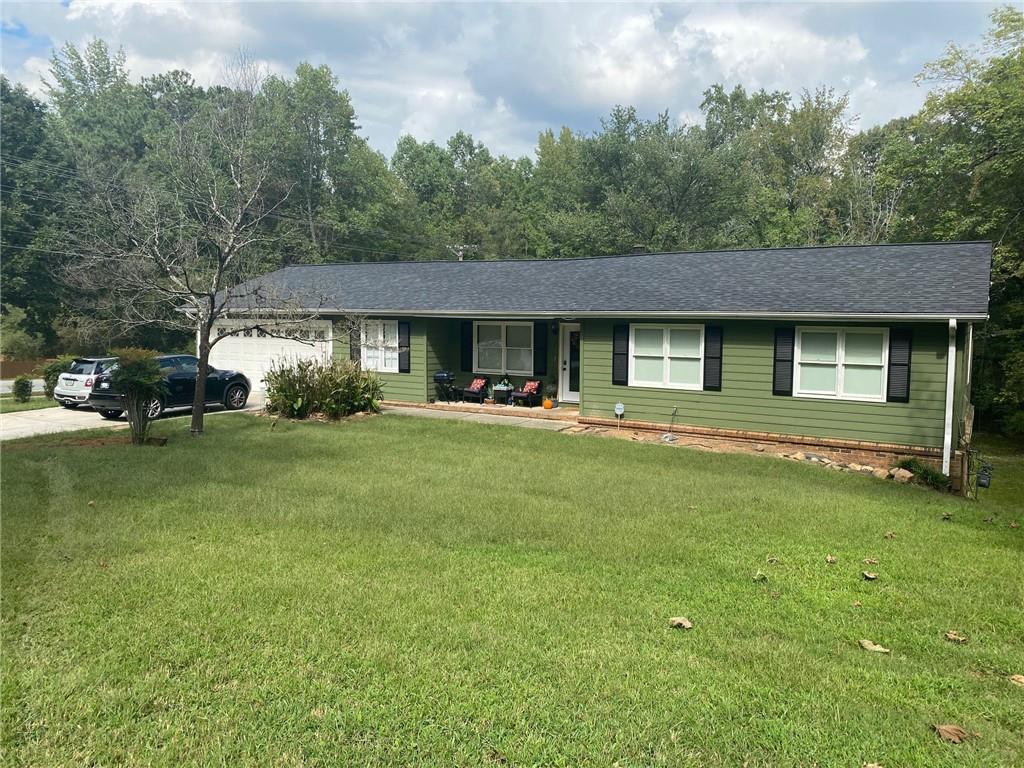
(841, 363)
(503, 348)
(667, 356)
(379, 349)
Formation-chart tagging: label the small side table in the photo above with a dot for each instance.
(502, 395)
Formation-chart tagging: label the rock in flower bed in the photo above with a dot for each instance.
(881, 473)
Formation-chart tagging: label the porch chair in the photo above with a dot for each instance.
(476, 391)
(529, 395)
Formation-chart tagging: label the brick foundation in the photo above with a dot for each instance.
(872, 454)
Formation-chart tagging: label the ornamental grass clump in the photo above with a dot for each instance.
(302, 388)
(137, 378)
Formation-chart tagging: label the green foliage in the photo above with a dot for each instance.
(137, 378)
(307, 387)
(16, 342)
(925, 474)
(50, 372)
(22, 389)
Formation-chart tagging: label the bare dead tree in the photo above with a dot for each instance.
(186, 246)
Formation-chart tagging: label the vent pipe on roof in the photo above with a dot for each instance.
(639, 248)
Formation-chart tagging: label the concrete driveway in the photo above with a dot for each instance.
(44, 421)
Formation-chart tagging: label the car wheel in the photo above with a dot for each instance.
(70, 406)
(154, 408)
(235, 397)
(110, 414)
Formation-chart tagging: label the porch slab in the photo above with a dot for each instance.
(562, 413)
(479, 417)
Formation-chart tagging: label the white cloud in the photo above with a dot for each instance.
(502, 71)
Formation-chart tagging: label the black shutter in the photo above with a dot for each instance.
(403, 346)
(713, 358)
(540, 348)
(782, 375)
(467, 345)
(355, 341)
(898, 387)
(620, 355)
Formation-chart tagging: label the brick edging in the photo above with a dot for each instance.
(767, 437)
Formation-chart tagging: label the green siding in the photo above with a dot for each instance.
(961, 389)
(407, 387)
(746, 401)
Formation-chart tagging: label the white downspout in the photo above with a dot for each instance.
(947, 434)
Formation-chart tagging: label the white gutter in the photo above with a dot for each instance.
(947, 432)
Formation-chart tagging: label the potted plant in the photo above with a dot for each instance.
(550, 393)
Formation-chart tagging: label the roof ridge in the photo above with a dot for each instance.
(645, 253)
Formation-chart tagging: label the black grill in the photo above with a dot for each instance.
(444, 383)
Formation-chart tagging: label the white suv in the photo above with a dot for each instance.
(75, 385)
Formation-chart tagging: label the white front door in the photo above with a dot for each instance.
(569, 363)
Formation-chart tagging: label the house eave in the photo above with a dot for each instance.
(564, 315)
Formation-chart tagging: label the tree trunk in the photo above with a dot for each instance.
(199, 402)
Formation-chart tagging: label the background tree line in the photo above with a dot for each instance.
(764, 169)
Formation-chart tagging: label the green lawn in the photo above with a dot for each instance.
(9, 405)
(398, 590)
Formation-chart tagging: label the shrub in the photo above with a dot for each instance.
(22, 389)
(301, 388)
(137, 377)
(50, 372)
(925, 474)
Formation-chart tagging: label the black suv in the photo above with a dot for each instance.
(227, 388)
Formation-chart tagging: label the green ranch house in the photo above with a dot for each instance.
(856, 350)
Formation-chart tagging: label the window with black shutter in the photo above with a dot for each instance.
(403, 347)
(620, 355)
(713, 358)
(782, 373)
(898, 381)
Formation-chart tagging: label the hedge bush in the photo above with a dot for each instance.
(22, 389)
(302, 388)
(50, 372)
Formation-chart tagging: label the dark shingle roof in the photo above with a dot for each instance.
(932, 279)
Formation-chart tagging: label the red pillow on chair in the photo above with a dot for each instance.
(477, 385)
(531, 387)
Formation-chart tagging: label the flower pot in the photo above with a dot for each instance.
(548, 403)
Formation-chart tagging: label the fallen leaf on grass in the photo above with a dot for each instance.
(947, 516)
(988, 519)
(869, 576)
(870, 561)
(872, 765)
(103, 564)
(867, 645)
(772, 560)
(760, 576)
(680, 622)
(955, 637)
(92, 504)
(951, 733)
(1015, 524)
(831, 559)
(890, 534)
(857, 603)
(1017, 680)
(776, 594)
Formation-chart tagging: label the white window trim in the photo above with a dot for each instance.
(364, 346)
(664, 383)
(840, 363)
(505, 370)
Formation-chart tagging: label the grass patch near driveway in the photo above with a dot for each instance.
(396, 590)
(38, 400)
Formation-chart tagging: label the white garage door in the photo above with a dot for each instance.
(252, 352)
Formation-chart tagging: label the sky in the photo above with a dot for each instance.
(506, 71)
